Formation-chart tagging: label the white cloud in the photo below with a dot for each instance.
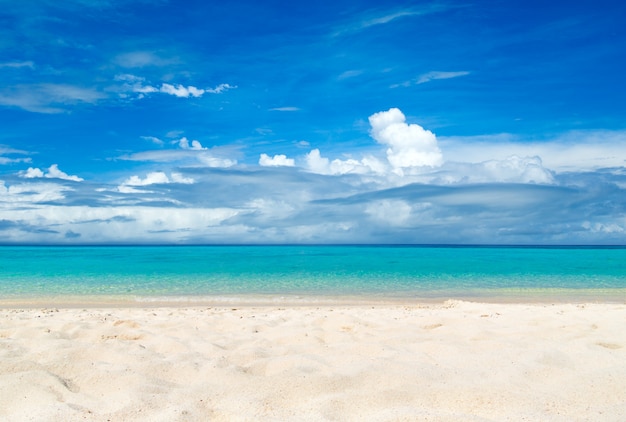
(434, 75)
(285, 109)
(7, 160)
(390, 212)
(413, 156)
(53, 173)
(261, 205)
(154, 140)
(129, 78)
(410, 145)
(263, 131)
(119, 224)
(220, 88)
(174, 133)
(32, 173)
(572, 151)
(48, 98)
(5, 150)
(184, 156)
(430, 76)
(18, 65)
(496, 190)
(350, 166)
(518, 169)
(316, 163)
(271, 210)
(369, 21)
(276, 161)
(609, 228)
(179, 178)
(349, 74)
(31, 193)
(151, 179)
(190, 152)
(388, 18)
(138, 85)
(181, 91)
(157, 177)
(185, 144)
(321, 165)
(209, 160)
(191, 91)
(8, 150)
(512, 169)
(137, 59)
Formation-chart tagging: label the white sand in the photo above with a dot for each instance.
(456, 361)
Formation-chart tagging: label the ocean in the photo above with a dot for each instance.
(189, 273)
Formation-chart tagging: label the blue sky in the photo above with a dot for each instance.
(332, 122)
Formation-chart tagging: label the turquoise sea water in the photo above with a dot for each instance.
(188, 272)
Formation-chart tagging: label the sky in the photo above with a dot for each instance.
(344, 122)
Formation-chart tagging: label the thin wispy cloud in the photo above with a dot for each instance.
(17, 65)
(51, 98)
(435, 75)
(47, 97)
(140, 86)
(349, 74)
(13, 197)
(431, 76)
(372, 19)
(189, 152)
(154, 140)
(285, 109)
(381, 20)
(139, 59)
(220, 88)
(10, 155)
(571, 151)
(8, 160)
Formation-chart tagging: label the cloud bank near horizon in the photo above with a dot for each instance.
(405, 189)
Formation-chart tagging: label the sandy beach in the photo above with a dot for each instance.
(446, 361)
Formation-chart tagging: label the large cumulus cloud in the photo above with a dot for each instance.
(409, 145)
(413, 155)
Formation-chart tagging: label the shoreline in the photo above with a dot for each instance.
(503, 296)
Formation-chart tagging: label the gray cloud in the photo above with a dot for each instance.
(180, 197)
(285, 204)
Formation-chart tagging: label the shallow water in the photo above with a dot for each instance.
(394, 272)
